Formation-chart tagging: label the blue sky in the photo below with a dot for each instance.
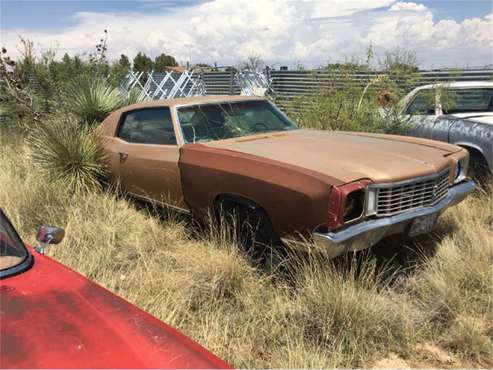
(283, 31)
(459, 9)
(39, 14)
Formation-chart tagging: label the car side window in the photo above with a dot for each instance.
(423, 103)
(148, 126)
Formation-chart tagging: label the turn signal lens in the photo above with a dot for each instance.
(371, 201)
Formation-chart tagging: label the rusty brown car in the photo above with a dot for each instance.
(345, 191)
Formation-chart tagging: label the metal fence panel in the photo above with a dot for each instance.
(283, 85)
(220, 83)
(166, 85)
(288, 84)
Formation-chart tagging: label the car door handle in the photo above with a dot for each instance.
(123, 156)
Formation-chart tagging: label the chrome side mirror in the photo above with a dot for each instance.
(48, 235)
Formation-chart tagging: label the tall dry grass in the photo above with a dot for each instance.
(316, 313)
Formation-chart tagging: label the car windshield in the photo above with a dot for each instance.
(12, 249)
(467, 100)
(219, 121)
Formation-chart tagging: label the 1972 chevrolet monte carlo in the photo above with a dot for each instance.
(52, 317)
(345, 191)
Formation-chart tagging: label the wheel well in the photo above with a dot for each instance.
(230, 200)
(473, 152)
(478, 164)
(235, 199)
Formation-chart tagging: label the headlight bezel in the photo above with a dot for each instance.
(461, 169)
(354, 207)
(338, 203)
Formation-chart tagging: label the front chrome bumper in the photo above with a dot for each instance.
(367, 233)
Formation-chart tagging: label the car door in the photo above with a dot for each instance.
(148, 155)
(422, 113)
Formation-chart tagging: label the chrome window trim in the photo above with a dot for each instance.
(238, 99)
(18, 269)
(28, 259)
(161, 203)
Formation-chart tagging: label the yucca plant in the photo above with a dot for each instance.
(66, 151)
(91, 99)
(131, 97)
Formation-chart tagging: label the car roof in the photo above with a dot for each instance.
(453, 85)
(458, 84)
(191, 101)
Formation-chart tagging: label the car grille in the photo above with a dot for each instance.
(410, 194)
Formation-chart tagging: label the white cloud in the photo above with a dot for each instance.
(407, 6)
(281, 31)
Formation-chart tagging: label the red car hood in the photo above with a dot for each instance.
(52, 317)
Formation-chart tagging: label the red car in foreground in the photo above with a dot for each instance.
(53, 317)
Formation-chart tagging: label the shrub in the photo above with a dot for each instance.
(132, 97)
(91, 99)
(343, 103)
(68, 152)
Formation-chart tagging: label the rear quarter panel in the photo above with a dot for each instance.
(295, 199)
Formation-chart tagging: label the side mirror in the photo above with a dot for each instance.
(48, 235)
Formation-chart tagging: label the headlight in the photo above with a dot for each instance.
(461, 169)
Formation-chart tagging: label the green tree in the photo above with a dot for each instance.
(124, 62)
(143, 63)
(66, 59)
(119, 69)
(162, 61)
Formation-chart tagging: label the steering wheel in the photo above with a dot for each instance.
(259, 124)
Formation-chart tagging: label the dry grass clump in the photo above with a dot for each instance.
(318, 313)
(470, 337)
(454, 288)
(351, 310)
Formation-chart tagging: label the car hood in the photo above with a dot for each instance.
(347, 156)
(52, 317)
